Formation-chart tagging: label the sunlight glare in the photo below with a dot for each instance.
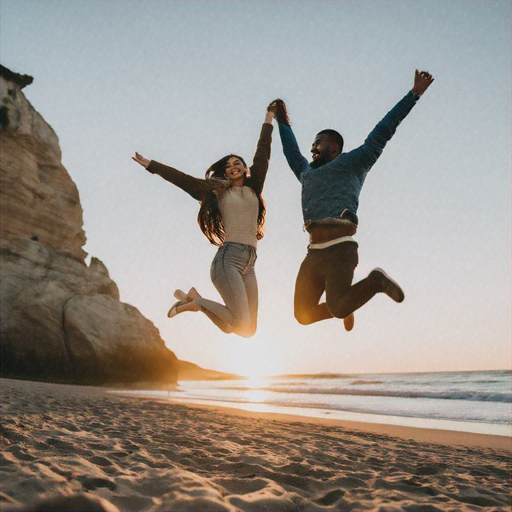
(258, 359)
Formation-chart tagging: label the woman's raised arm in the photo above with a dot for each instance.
(195, 187)
(261, 158)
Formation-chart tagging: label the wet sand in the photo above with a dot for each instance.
(146, 454)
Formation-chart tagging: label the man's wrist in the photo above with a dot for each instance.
(415, 95)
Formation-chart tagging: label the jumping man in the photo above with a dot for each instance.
(331, 185)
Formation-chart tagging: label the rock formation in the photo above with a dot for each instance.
(60, 319)
(191, 371)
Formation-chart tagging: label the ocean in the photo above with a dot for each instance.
(478, 402)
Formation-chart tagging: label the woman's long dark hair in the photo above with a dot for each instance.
(209, 217)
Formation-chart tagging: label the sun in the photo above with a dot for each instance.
(255, 358)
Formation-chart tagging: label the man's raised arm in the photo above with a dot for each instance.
(291, 150)
(369, 152)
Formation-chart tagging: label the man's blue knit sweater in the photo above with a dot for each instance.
(330, 189)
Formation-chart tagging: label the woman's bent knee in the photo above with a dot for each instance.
(245, 333)
(244, 330)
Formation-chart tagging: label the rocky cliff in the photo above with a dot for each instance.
(191, 371)
(61, 319)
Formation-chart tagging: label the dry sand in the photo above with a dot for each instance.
(143, 454)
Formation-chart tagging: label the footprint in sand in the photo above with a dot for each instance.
(331, 497)
(429, 469)
(93, 483)
(242, 485)
(71, 427)
(77, 502)
(350, 482)
(100, 461)
(21, 454)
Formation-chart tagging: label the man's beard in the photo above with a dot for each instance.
(318, 162)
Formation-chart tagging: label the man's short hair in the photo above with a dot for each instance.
(334, 137)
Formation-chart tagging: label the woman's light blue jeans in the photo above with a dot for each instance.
(232, 273)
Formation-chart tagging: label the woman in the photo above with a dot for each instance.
(231, 216)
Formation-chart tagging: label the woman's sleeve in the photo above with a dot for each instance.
(194, 186)
(261, 159)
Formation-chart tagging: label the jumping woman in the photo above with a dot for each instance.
(231, 216)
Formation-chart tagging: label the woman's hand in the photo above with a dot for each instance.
(141, 160)
(270, 116)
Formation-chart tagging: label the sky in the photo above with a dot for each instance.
(186, 82)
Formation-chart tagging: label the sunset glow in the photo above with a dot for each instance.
(186, 96)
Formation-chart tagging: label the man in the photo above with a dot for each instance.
(331, 185)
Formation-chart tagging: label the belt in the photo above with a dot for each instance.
(319, 234)
(335, 241)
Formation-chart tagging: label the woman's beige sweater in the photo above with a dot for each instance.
(239, 209)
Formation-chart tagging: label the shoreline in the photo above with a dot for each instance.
(148, 454)
(475, 403)
(421, 434)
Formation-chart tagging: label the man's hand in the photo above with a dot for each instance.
(141, 160)
(422, 81)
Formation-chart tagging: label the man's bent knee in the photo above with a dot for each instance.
(303, 317)
(340, 310)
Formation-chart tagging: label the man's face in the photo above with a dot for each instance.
(323, 150)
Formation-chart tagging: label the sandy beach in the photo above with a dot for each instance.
(145, 454)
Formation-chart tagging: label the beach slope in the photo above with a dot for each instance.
(144, 454)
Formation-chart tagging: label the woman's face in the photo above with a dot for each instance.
(235, 169)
